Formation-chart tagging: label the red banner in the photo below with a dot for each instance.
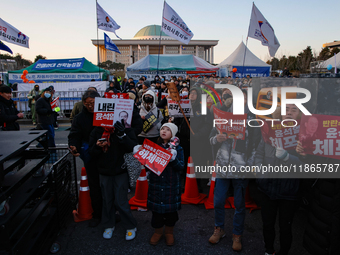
(229, 124)
(153, 157)
(55, 103)
(276, 135)
(116, 95)
(319, 135)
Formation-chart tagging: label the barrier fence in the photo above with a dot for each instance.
(67, 100)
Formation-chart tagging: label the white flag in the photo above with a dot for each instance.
(10, 34)
(174, 26)
(260, 29)
(105, 22)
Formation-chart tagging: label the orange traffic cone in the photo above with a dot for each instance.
(85, 210)
(191, 194)
(139, 200)
(209, 203)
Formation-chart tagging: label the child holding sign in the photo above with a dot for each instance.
(164, 195)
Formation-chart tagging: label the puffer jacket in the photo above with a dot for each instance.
(276, 188)
(164, 194)
(8, 115)
(153, 132)
(235, 152)
(44, 111)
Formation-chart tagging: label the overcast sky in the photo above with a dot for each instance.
(64, 28)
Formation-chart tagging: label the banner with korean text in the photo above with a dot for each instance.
(153, 157)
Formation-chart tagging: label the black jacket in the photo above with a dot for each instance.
(8, 115)
(82, 126)
(44, 111)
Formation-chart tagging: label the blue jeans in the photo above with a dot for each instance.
(50, 134)
(220, 196)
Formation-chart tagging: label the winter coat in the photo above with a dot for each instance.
(164, 194)
(322, 232)
(82, 126)
(276, 188)
(235, 152)
(110, 163)
(154, 131)
(77, 108)
(44, 111)
(32, 96)
(8, 115)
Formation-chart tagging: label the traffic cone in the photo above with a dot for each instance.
(139, 200)
(209, 203)
(191, 194)
(85, 210)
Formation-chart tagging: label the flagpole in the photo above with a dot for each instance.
(97, 41)
(160, 39)
(245, 49)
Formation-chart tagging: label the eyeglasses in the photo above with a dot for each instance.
(89, 104)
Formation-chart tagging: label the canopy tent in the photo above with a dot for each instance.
(60, 70)
(253, 66)
(331, 61)
(169, 65)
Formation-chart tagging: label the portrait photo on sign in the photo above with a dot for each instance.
(123, 115)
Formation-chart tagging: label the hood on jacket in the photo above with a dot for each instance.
(153, 106)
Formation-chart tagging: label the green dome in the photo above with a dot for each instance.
(152, 30)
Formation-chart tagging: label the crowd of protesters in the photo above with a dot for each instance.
(103, 150)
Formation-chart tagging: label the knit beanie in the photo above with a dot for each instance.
(173, 128)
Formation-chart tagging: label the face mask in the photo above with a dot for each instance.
(185, 93)
(226, 96)
(36, 89)
(162, 80)
(47, 95)
(148, 100)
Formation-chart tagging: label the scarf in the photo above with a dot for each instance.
(107, 133)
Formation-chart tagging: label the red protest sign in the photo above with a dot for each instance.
(116, 95)
(276, 135)
(319, 135)
(234, 126)
(153, 157)
(103, 112)
(55, 103)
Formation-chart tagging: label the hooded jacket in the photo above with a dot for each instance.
(153, 132)
(8, 115)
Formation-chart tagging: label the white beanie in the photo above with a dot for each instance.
(173, 128)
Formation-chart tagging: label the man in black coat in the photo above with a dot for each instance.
(78, 140)
(8, 113)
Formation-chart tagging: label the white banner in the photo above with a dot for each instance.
(150, 75)
(260, 29)
(174, 26)
(175, 111)
(105, 21)
(10, 34)
(65, 86)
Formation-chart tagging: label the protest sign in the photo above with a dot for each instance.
(55, 103)
(229, 124)
(149, 122)
(107, 111)
(319, 135)
(276, 135)
(153, 157)
(175, 111)
(116, 95)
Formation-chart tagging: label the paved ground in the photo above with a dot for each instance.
(191, 232)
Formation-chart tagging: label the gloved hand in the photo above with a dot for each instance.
(136, 148)
(281, 154)
(174, 154)
(119, 128)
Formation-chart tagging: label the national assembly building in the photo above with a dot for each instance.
(146, 41)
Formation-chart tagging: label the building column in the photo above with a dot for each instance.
(212, 54)
(147, 49)
(180, 49)
(209, 55)
(196, 50)
(163, 49)
(114, 56)
(138, 51)
(130, 55)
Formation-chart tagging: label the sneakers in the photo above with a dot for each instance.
(218, 234)
(237, 245)
(108, 233)
(130, 234)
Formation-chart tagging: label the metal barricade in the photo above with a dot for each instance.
(67, 101)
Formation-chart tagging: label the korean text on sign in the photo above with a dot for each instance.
(153, 157)
(175, 111)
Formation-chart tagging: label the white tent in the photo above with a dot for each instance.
(253, 66)
(331, 61)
